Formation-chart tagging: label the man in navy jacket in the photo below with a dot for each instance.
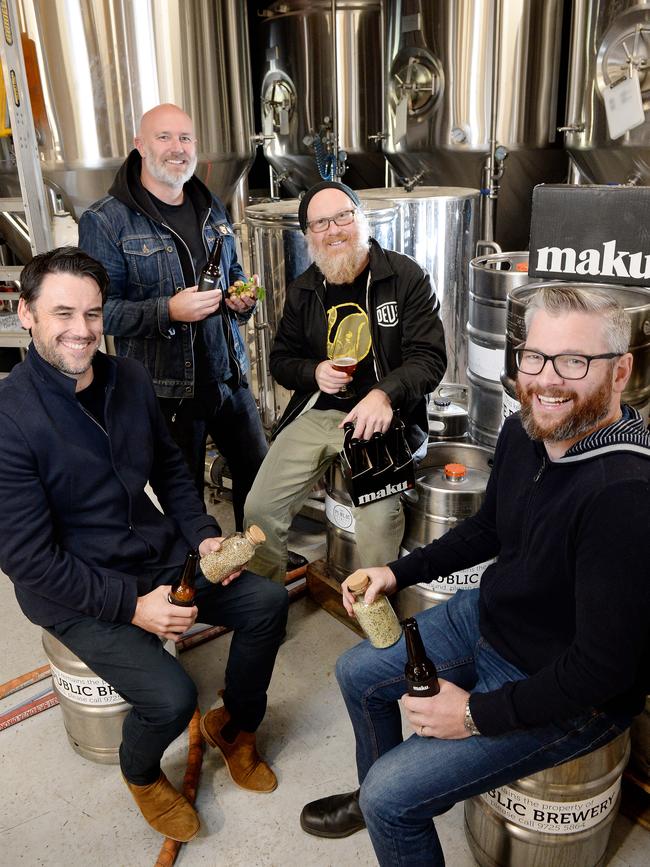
(548, 659)
(92, 558)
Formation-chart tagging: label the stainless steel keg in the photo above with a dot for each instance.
(93, 712)
(635, 299)
(438, 227)
(450, 489)
(447, 412)
(560, 817)
(491, 278)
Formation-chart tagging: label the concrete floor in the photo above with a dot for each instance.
(60, 809)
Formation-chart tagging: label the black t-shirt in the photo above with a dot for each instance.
(348, 334)
(184, 221)
(93, 397)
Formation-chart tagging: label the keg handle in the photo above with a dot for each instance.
(488, 245)
(443, 395)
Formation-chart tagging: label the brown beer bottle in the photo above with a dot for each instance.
(420, 673)
(210, 277)
(183, 590)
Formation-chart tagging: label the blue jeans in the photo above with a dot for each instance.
(405, 783)
(233, 421)
(162, 695)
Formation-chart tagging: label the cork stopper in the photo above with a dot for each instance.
(358, 581)
(455, 471)
(255, 534)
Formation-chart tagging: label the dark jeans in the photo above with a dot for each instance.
(162, 695)
(232, 419)
(405, 783)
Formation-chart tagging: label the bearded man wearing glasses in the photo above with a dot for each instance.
(357, 305)
(549, 658)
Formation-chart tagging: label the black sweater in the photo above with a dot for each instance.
(568, 600)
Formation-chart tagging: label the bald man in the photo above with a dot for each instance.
(153, 233)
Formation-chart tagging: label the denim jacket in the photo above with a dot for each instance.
(129, 237)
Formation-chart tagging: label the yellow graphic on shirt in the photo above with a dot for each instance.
(348, 331)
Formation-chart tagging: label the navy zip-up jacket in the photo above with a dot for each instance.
(79, 532)
(568, 599)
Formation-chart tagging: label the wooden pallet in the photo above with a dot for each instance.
(326, 592)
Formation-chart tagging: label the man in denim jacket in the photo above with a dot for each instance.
(153, 233)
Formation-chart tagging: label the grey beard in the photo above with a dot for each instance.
(164, 177)
(343, 268)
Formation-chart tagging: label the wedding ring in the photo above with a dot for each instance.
(421, 731)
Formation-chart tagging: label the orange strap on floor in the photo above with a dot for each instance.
(28, 709)
(24, 680)
(170, 848)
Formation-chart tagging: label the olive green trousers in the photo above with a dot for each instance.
(297, 459)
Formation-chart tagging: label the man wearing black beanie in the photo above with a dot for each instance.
(376, 309)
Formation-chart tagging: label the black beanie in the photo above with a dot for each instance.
(323, 185)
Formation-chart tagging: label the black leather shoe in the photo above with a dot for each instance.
(295, 561)
(336, 816)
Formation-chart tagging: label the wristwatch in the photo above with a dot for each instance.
(470, 725)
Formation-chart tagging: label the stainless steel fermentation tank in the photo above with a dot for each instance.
(279, 254)
(608, 39)
(102, 65)
(315, 85)
(439, 227)
(469, 81)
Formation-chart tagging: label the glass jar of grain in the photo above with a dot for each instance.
(378, 620)
(235, 552)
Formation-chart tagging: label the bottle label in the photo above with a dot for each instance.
(339, 514)
(84, 690)
(552, 817)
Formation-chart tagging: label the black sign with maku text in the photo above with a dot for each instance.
(593, 234)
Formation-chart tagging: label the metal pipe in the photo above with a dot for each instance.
(335, 97)
(581, 11)
(490, 171)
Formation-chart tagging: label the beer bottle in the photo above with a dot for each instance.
(381, 460)
(183, 590)
(420, 673)
(403, 455)
(210, 277)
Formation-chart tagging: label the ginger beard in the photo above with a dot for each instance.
(585, 415)
(341, 265)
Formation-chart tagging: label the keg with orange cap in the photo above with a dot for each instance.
(451, 487)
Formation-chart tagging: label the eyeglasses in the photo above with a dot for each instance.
(567, 366)
(343, 218)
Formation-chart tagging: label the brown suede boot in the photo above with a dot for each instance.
(166, 810)
(244, 764)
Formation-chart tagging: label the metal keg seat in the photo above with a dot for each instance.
(559, 817)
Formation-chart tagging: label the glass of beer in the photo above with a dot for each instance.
(347, 364)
